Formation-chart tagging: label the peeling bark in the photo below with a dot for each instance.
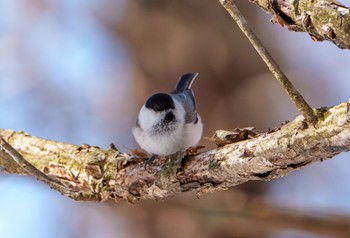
(321, 19)
(90, 173)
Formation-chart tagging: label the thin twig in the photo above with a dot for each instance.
(294, 95)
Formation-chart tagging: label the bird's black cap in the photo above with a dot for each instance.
(160, 102)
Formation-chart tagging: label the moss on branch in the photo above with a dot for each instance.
(91, 173)
(321, 19)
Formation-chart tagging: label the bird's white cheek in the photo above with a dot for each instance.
(148, 118)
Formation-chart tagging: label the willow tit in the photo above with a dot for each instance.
(168, 122)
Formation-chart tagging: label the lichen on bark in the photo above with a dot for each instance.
(321, 19)
(91, 173)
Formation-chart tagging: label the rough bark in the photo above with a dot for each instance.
(321, 19)
(90, 173)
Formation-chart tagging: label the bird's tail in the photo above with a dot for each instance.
(185, 82)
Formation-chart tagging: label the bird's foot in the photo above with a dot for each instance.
(149, 161)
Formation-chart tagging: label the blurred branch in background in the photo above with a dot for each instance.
(233, 213)
(170, 39)
(321, 19)
(90, 173)
(238, 216)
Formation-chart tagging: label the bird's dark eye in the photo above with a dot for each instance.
(169, 117)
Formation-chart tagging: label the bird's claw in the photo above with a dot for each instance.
(149, 161)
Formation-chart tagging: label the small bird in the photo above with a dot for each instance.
(168, 122)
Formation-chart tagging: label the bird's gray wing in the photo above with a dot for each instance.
(186, 98)
(184, 94)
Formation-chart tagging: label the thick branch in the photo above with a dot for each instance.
(321, 19)
(90, 173)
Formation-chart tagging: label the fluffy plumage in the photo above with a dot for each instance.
(168, 122)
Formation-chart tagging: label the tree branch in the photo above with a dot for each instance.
(321, 19)
(293, 94)
(90, 173)
(28, 167)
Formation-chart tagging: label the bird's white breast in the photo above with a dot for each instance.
(180, 138)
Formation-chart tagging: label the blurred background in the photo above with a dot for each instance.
(78, 72)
